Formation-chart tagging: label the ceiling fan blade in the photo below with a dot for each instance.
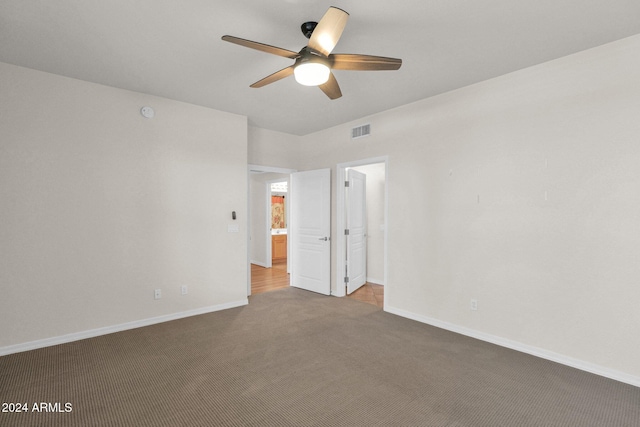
(328, 31)
(262, 47)
(278, 75)
(346, 61)
(331, 87)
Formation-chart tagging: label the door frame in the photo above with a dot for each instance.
(341, 221)
(251, 168)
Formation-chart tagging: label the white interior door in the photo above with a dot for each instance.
(309, 233)
(356, 222)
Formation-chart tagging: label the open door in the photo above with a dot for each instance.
(310, 230)
(356, 231)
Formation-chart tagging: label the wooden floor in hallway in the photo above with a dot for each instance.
(269, 279)
(369, 293)
(276, 277)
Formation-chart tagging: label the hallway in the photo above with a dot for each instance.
(276, 277)
(269, 279)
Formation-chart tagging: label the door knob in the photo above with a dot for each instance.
(324, 238)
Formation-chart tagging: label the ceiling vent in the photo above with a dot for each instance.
(361, 131)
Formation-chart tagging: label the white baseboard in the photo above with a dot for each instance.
(524, 348)
(62, 339)
(375, 281)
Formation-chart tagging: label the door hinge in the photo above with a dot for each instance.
(346, 231)
(346, 183)
(346, 279)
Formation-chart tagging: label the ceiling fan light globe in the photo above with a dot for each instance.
(311, 73)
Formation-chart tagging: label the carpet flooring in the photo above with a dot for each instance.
(294, 358)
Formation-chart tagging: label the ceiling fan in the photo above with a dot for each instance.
(313, 64)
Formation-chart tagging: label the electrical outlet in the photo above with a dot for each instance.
(157, 294)
(183, 290)
(474, 304)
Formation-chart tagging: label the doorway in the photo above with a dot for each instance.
(309, 245)
(259, 244)
(375, 239)
(381, 228)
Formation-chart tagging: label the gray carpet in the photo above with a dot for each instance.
(294, 358)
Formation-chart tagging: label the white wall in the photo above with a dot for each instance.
(521, 192)
(257, 243)
(271, 148)
(100, 206)
(375, 221)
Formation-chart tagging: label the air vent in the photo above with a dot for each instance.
(361, 131)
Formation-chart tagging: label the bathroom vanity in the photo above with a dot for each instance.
(278, 244)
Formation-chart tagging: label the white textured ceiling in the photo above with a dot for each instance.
(172, 48)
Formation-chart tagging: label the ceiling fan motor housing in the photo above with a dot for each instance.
(308, 55)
